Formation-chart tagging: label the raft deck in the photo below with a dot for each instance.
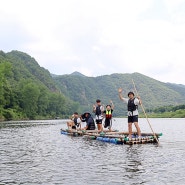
(114, 136)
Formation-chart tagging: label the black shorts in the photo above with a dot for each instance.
(98, 121)
(132, 119)
(107, 123)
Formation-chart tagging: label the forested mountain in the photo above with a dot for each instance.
(27, 91)
(86, 90)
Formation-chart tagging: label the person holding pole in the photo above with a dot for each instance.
(146, 114)
(132, 105)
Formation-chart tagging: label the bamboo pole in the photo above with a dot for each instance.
(145, 113)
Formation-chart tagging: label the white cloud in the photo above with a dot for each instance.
(99, 37)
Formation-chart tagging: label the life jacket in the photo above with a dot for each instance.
(75, 122)
(108, 114)
(131, 105)
(98, 110)
(91, 124)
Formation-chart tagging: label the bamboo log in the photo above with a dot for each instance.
(143, 141)
(87, 131)
(126, 134)
(135, 133)
(105, 136)
(107, 133)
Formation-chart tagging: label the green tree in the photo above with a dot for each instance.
(30, 96)
(5, 96)
(43, 102)
(56, 104)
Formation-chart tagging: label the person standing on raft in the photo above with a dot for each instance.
(108, 115)
(98, 110)
(132, 104)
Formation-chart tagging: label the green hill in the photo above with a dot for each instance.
(28, 91)
(26, 67)
(86, 90)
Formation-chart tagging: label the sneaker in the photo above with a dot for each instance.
(139, 137)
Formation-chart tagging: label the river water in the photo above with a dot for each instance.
(35, 152)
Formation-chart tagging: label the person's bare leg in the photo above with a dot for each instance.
(70, 124)
(138, 129)
(130, 130)
(100, 127)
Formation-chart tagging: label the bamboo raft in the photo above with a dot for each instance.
(114, 136)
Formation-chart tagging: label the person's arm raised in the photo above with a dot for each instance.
(94, 108)
(112, 105)
(120, 94)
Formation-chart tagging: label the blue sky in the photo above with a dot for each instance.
(99, 37)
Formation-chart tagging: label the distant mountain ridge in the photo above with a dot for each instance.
(76, 73)
(64, 94)
(86, 90)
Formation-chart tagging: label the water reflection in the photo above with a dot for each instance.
(134, 169)
(24, 124)
(133, 159)
(36, 153)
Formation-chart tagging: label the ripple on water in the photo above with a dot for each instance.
(36, 153)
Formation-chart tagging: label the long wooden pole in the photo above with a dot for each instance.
(145, 113)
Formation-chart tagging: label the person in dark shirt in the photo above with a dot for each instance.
(98, 110)
(86, 117)
(132, 106)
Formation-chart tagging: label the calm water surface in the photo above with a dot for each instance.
(35, 152)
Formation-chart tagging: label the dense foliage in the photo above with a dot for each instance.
(28, 91)
(86, 90)
(168, 112)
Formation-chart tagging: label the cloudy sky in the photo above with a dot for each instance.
(98, 37)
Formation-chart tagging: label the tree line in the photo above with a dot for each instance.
(28, 91)
(23, 96)
(168, 111)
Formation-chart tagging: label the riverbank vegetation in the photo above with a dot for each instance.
(167, 112)
(28, 91)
